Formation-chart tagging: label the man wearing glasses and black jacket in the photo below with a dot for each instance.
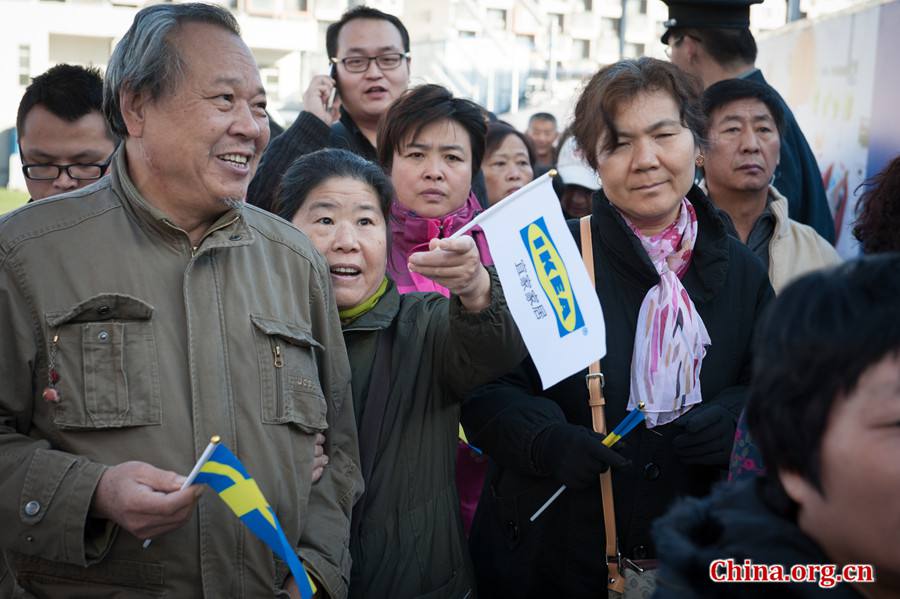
(369, 54)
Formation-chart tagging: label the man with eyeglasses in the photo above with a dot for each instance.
(369, 54)
(64, 140)
(711, 40)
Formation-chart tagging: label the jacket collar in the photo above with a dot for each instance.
(229, 230)
(779, 208)
(381, 316)
(709, 263)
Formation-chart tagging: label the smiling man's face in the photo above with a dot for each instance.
(200, 144)
(367, 95)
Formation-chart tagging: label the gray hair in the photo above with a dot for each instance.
(147, 60)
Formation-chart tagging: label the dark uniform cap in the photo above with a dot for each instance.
(707, 14)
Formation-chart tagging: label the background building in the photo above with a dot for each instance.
(512, 56)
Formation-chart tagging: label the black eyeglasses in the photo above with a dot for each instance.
(360, 64)
(677, 42)
(79, 172)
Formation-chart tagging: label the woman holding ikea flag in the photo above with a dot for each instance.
(680, 299)
(412, 358)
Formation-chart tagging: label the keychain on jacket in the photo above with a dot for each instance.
(50, 393)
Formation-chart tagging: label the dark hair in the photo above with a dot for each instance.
(362, 12)
(725, 46)
(812, 346)
(421, 106)
(309, 171)
(542, 116)
(147, 58)
(67, 91)
(731, 90)
(619, 83)
(878, 226)
(498, 131)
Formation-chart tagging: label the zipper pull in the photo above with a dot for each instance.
(279, 360)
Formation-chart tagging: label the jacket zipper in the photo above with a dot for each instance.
(279, 385)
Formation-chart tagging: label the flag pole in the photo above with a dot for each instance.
(204, 457)
(502, 203)
(630, 421)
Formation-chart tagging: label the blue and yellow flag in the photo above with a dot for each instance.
(228, 477)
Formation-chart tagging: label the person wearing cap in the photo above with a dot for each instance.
(579, 181)
(711, 40)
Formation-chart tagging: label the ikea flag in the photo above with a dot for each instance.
(228, 477)
(546, 285)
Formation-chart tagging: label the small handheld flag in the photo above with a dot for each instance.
(627, 425)
(228, 477)
(190, 477)
(545, 283)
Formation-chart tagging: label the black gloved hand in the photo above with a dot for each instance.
(708, 435)
(574, 455)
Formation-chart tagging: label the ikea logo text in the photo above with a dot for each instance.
(553, 276)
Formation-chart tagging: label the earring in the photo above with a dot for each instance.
(699, 161)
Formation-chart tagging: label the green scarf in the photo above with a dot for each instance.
(355, 312)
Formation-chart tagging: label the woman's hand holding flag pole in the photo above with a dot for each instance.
(626, 426)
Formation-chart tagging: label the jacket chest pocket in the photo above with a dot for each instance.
(289, 376)
(104, 351)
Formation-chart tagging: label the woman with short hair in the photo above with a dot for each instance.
(680, 299)
(411, 358)
(431, 144)
(508, 163)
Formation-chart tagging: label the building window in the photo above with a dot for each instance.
(271, 79)
(24, 64)
(634, 50)
(582, 48)
(466, 34)
(296, 5)
(609, 27)
(642, 8)
(556, 20)
(587, 5)
(496, 18)
(526, 40)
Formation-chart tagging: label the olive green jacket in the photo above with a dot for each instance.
(159, 346)
(411, 541)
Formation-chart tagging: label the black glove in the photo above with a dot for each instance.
(574, 455)
(708, 435)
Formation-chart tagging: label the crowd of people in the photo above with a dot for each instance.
(184, 270)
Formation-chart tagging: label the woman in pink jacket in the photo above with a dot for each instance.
(431, 144)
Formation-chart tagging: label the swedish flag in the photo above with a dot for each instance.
(228, 477)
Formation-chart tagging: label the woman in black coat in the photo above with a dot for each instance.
(641, 123)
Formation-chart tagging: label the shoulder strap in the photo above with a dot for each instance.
(373, 415)
(616, 582)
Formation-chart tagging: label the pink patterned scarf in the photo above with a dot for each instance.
(671, 339)
(411, 233)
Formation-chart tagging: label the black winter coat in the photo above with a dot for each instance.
(307, 134)
(735, 522)
(562, 553)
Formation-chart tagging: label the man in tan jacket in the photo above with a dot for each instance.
(145, 313)
(744, 120)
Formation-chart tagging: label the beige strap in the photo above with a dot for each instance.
(616, 582)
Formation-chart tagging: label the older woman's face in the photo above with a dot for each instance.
(507, 169)
(343, 219)
(433, 172)
(651, 167)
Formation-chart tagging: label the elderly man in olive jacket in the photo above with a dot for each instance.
(149, 311)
